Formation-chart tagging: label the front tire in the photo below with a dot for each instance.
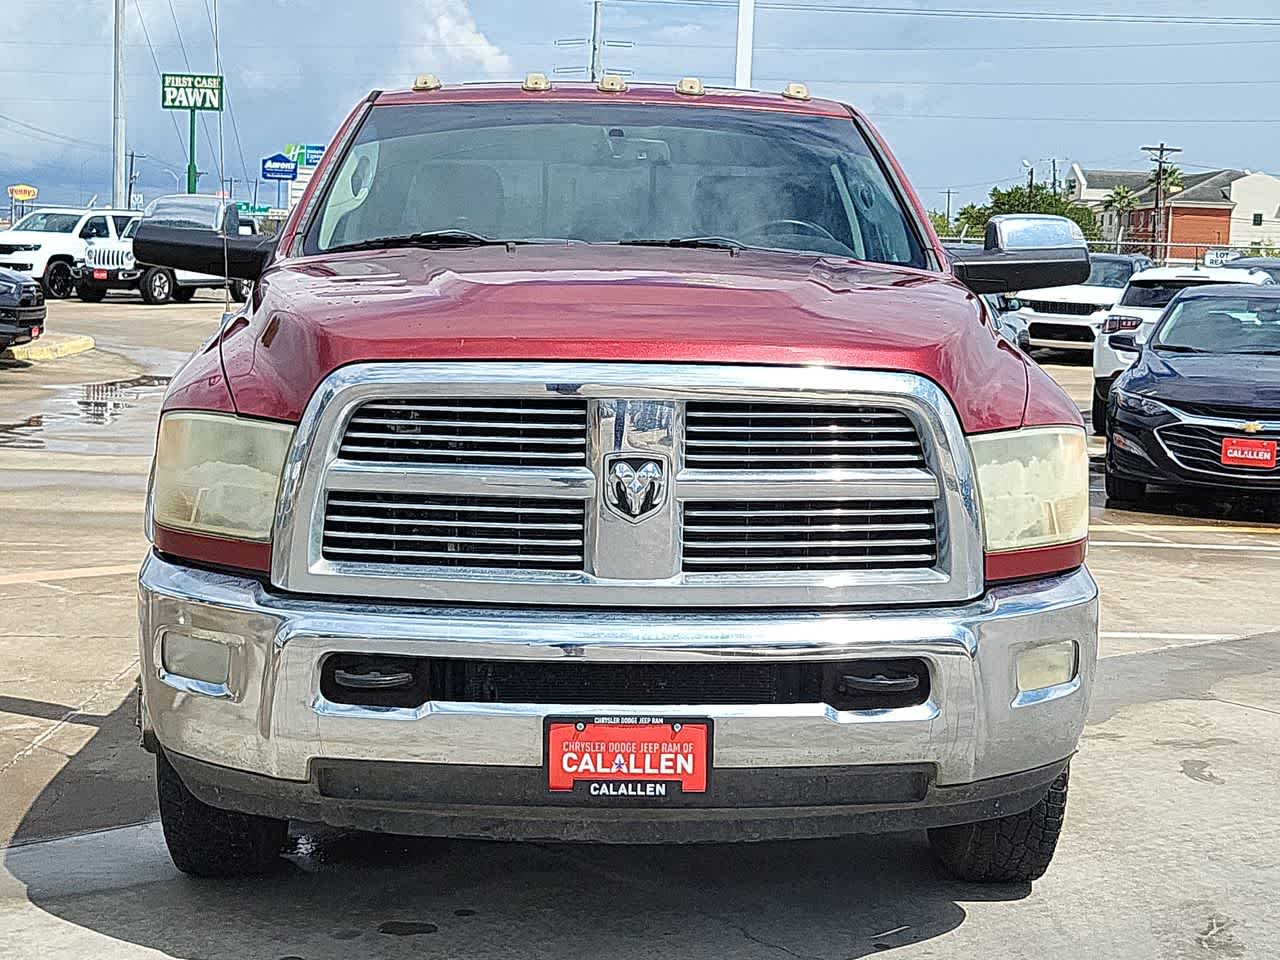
(207, 841)
(90, 294)
(184, 294)
(240, 290)
(156, 286)
(1012, 849)
(57, 282)
(1101, 391)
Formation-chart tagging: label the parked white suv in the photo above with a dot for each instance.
(1139, 307)
(47, 244)
(1069, 318)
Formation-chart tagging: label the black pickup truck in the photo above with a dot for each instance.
(22, 310)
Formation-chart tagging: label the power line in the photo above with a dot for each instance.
(52, 135)
(182, 146)
(204, 121)
(235, 127)
(1024, 16)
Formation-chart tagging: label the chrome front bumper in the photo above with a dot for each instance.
(270, 720)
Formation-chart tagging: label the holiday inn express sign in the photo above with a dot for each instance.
(191, 91)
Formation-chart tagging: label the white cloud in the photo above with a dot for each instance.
(449, 38)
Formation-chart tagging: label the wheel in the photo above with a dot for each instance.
(90, 294)
(1101, 389)
(157, 286)
(1013, 849)
(58, 282)
(206, 841)
(240, 290)
(1124, 490)
(184, 294)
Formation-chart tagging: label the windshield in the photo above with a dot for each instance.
(44, 222)
(1109, 273)
(607, 173)
(1222, 325)
(1156, 293)
(190, 212)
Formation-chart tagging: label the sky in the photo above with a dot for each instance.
(962, 100)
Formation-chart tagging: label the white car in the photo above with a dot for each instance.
(1070, 318)
(47, 244)
(1139, 307)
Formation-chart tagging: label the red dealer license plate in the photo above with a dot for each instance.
(656, 757)
(1244, 452)
(99, 274)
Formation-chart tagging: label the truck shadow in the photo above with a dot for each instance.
(343, 894)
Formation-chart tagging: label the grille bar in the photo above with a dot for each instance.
(518, 533)
(807, 535)
(518, 432)
(1198, 446)
(727, 435)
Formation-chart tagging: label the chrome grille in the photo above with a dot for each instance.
(1063, 309)
(497, 483)
(829, 535)
(798, 436)
(1198, 446)
(550, 432)
(508, 533)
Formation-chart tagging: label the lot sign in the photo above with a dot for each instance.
(191, 91)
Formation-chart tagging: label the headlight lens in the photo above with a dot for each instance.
(1137, 404)
(218, 474)
(1033, 485)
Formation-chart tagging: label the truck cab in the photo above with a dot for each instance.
(616, 463)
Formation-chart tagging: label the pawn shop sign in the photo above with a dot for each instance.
(191, 91)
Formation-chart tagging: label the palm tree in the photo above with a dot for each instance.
(1168, 180)
(1120, 201)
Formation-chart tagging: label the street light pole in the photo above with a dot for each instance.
(746, 42)
(119, 200)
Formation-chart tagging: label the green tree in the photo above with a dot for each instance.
(941, 226)
(1020, 199)
(1169, 181)
(1120, 201)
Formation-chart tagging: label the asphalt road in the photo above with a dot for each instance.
(1172, 848)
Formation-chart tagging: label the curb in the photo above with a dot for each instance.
(52, 348)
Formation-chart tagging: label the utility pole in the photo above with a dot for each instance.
(230, 183)
(746, 42)
(597, 39)
(1158, 155)
(949, 192)
(133, 155)
(1031, 177)
(1054, 181)
(118, 198)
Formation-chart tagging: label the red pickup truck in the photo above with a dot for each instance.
(616, 463)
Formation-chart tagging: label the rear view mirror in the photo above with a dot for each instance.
(1025, 251)
(1123, 341)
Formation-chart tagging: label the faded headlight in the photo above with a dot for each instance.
(218, 474)
(1033, 485)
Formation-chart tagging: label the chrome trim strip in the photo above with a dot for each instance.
(637, 409)
(1216, 423)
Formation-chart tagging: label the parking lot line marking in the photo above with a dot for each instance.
(67, 573)
(1182, 527)
(1240, 547)
(1143, 635)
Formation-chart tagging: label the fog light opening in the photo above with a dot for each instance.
(196, 655)
(1047, 665)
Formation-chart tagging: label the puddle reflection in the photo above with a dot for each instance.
(98, 405)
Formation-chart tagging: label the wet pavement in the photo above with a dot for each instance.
(1172, 848)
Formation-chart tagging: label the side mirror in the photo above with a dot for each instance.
(1025, 251)
(1123, 341)
(202, 251)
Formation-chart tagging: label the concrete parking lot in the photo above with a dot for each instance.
(1172, 848)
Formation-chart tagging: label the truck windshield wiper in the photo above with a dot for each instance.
(450, 237)
(708, 243)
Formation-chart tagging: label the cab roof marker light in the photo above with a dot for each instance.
(690, 87)
(611, 83)
(535, 83)
(796, 91)
(426, 82)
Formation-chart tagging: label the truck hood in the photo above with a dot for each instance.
(608, 303)
(24, 238)
(1077, 293)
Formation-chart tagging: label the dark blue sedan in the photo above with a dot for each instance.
(1201, 405)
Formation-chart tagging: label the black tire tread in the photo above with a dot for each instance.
(1124, 490)
(1012, 849)
(206, 841)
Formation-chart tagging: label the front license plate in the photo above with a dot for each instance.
(603, 757)
(1247, 452)
(99, 274)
